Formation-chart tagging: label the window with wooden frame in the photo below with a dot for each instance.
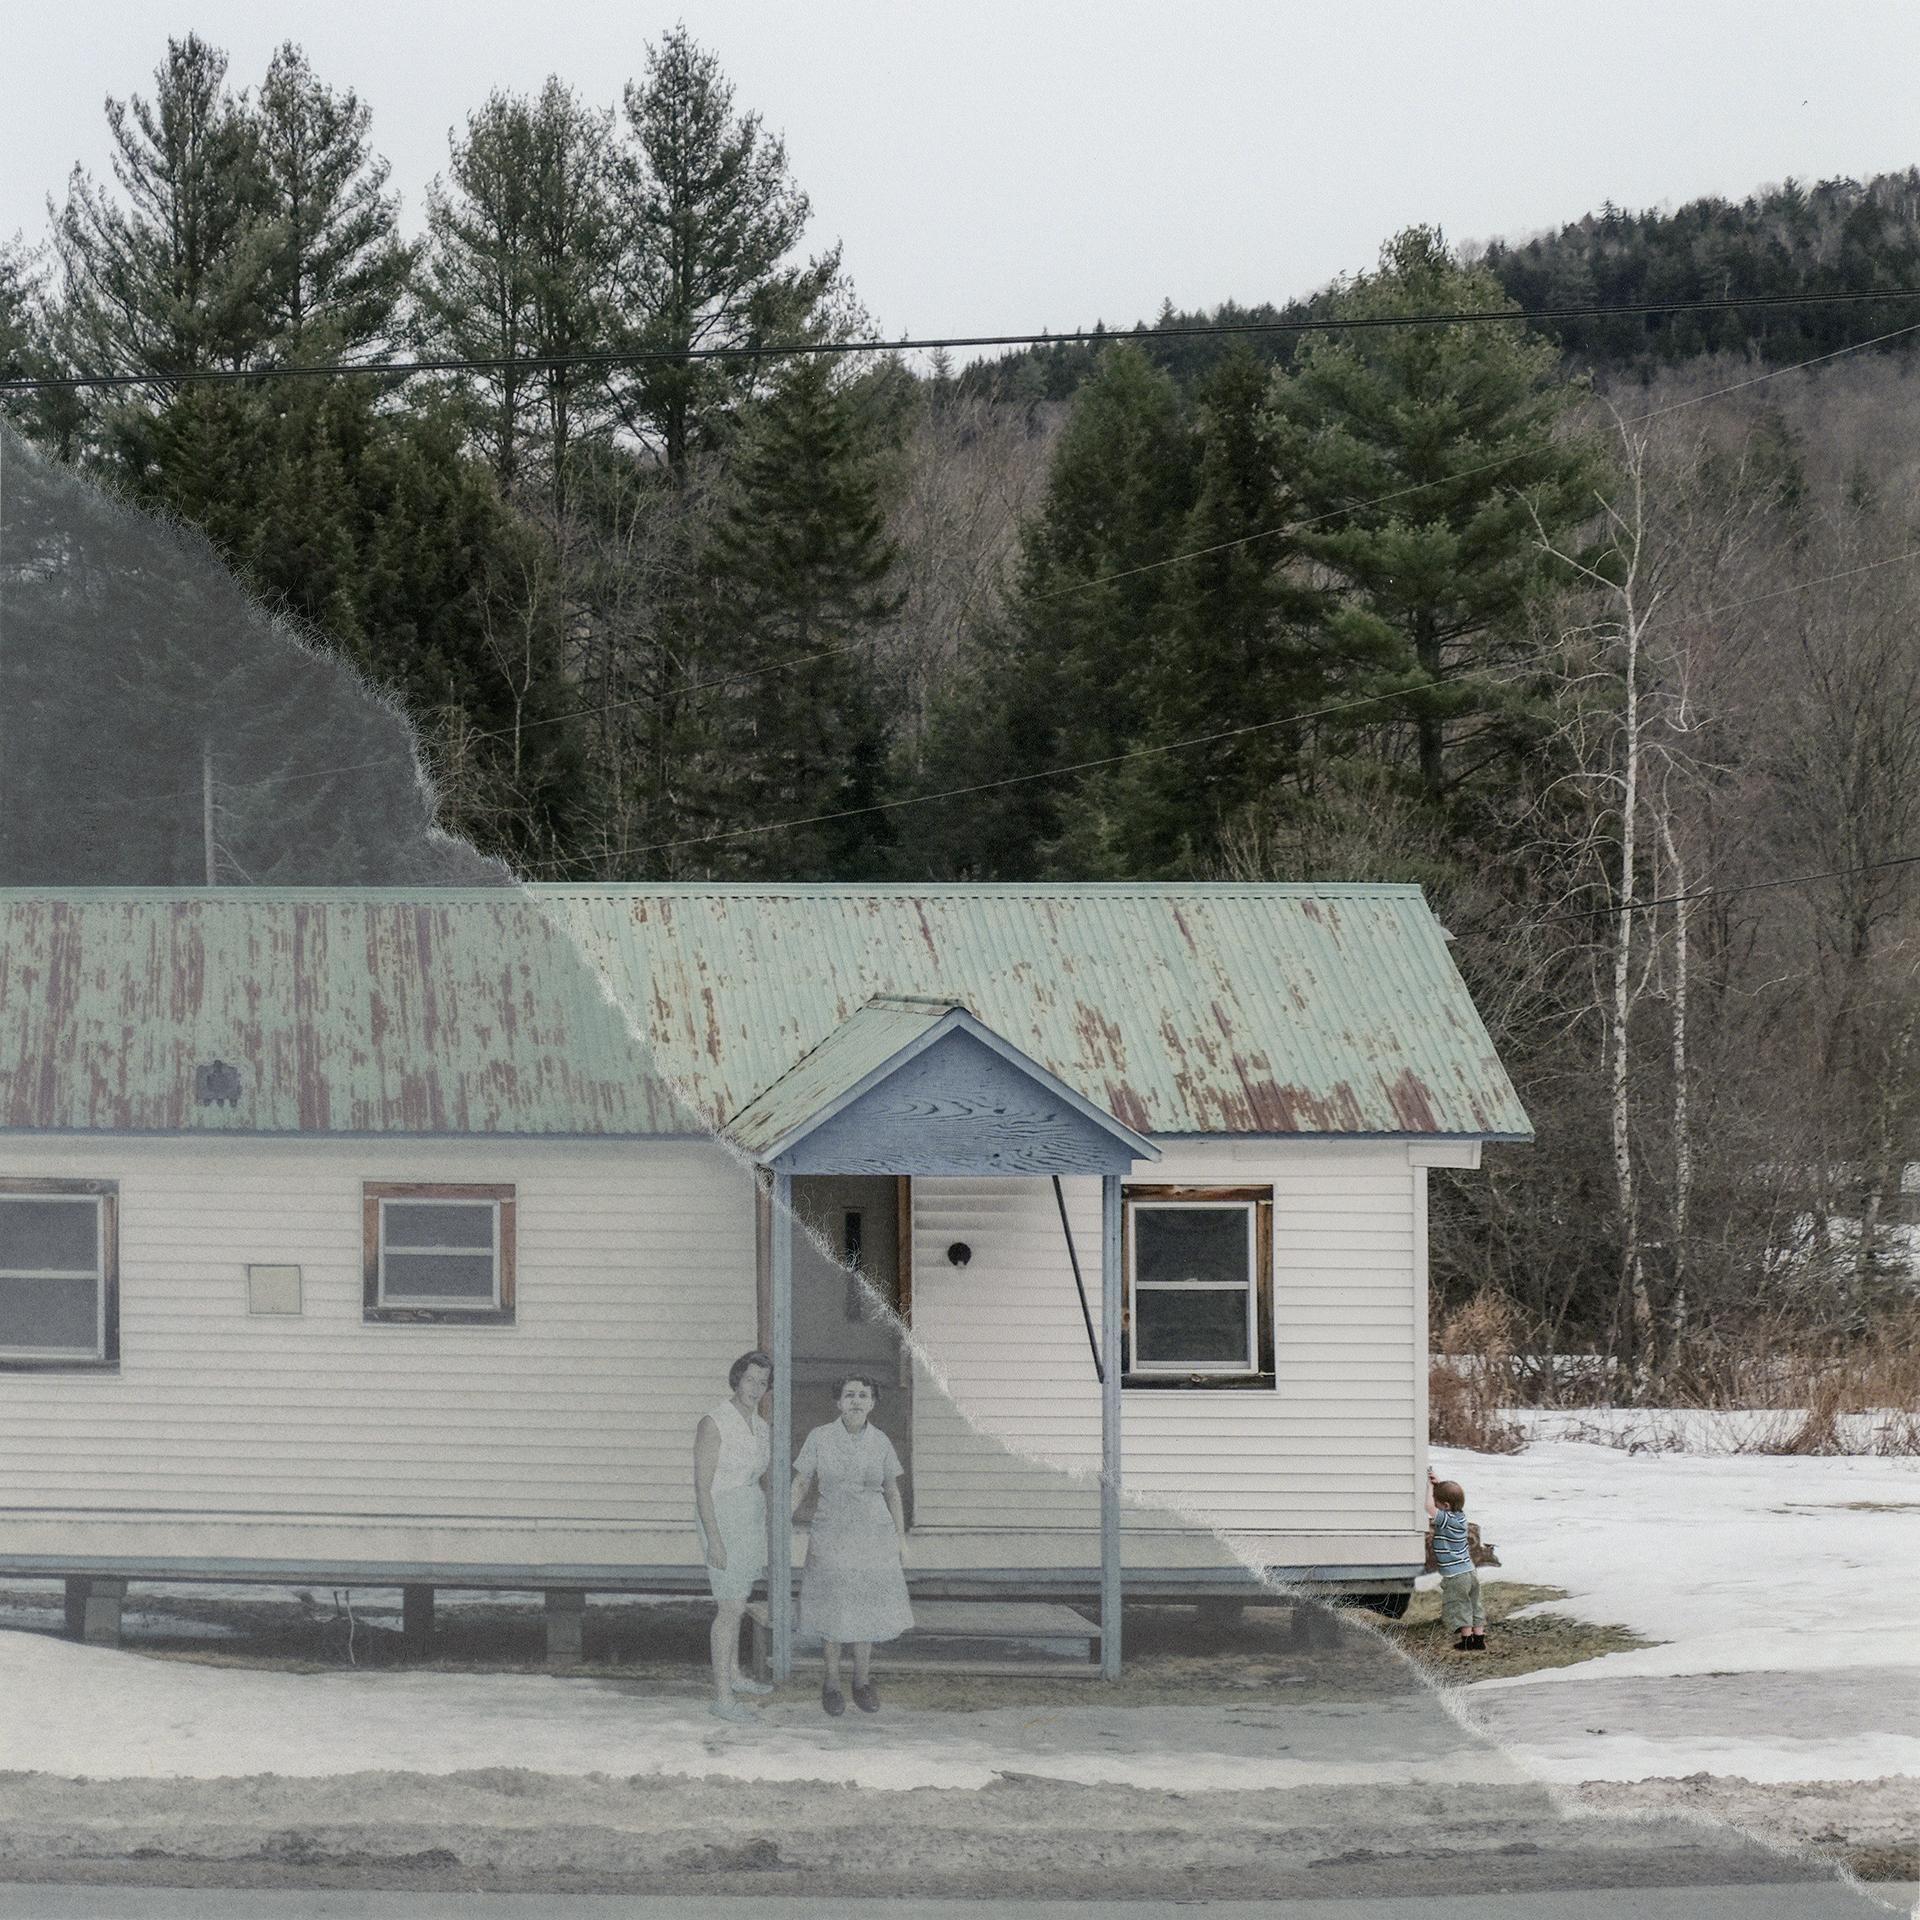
(1198, 1286)
(59, 1275)
(439, 1253)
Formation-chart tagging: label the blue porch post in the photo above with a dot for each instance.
(1112, 1359)
(780, 1467)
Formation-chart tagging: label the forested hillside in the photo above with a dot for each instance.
(1604, 635)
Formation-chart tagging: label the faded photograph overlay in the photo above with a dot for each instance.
(518, 1382)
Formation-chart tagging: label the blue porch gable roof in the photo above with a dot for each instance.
(918, 1085)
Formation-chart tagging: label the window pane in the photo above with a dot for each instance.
(440, 1276)
(1197, 1328)
(1191, 1243)
(36, 1234)
(57, 1316)
(434, 1223)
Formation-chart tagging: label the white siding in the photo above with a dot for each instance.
(635, 1289)
(565, 1438)
(1328, 1458)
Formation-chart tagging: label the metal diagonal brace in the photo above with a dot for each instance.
(1080, 1286)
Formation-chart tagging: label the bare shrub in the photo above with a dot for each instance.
(1472, 1377)
(1818, 1426)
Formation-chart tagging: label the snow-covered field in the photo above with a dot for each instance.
(1784, 1593)
(1735, 1562)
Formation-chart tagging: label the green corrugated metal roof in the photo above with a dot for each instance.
(341, 1012)
(1178, 1009)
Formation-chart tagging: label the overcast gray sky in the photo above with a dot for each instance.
(999, 166)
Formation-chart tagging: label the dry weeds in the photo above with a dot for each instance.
(1472, 1377)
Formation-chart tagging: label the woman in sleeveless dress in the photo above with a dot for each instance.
(853, 1590)
(731, 1446)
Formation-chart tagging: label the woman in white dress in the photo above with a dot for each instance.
(731, 1446)
(853, 1590)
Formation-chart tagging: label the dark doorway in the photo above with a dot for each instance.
(845, 1302)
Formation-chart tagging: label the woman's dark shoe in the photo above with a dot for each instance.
(1477, 1643)
(865, 1697)
(834, 1700)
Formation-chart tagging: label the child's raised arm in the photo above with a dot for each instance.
(1432, 1505)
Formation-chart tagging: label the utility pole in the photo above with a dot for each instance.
(206, 810)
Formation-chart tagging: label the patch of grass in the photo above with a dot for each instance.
(1513, 1646)
(1879, 1863)
(1175, 1655)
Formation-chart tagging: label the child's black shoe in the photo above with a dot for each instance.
(1475, 1643)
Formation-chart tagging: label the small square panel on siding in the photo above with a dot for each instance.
(273, 1289)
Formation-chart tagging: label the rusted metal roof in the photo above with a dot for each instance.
(242, 1010)
(1177, 1009)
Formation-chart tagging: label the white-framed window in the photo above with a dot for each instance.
(59, 1274)
(1199, 1286)
(439, 1252)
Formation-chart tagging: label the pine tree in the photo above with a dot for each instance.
(376, 533)
(795, 584)
(523, 247)
(1425, 463)
(169, 276)
(336, 266)
(1061, 677)
(1236, 648)
(139, 677)
(713, 220)
(17, 286)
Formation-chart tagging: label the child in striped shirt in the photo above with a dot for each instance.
(1461, 1606)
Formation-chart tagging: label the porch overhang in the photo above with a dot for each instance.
(911, 1085)
(919, 1086)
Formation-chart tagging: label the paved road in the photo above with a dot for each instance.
(1795, 1902)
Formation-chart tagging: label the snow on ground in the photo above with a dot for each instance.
(96, 1712)
(1735, 1562)
(1784, 1593)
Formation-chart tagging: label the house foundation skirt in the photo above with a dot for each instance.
(741, 1515)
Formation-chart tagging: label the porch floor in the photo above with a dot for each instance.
(968, 1636)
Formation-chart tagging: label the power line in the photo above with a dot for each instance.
(1718, 892)
(1466, 473)
(617, 360)
(545, 720)
(1081, 586)
(1532, 657)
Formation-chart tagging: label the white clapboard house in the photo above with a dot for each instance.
(400, 1237)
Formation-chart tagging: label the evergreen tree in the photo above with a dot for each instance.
(795, 584)
(16, 310)
(713, 220)
(1425, 463)
(140, 682)
(169, 276)
(1237, 647)
(1061, 678)
(523, 246)
(376, 533)
(336, 267)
